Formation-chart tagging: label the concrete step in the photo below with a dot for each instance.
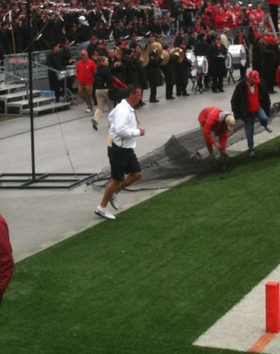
(48, 107)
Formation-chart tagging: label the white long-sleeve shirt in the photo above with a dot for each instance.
(123, 125)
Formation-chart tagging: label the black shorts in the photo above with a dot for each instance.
(122, 161)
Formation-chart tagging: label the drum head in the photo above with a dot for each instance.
(191, 56)
(243, 56)
(228, 61)
(202, 65)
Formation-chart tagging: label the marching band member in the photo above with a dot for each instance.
(217, 68)
(169, 74)
(153, 71)
(202, 49)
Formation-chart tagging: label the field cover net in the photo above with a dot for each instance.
(182, 156)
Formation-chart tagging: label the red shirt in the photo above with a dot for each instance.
(253, 100)
(85, 70)
(6, 257)
(210, 121)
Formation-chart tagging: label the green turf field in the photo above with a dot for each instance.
(159, 276)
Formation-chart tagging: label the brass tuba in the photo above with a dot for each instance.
(178, 52)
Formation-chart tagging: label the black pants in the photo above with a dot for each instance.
(243, 70)
(217, 83)
(169, 91)
(181, 89)
(273, 9)
(153, 93)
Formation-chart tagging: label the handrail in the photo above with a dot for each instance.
(14, 76)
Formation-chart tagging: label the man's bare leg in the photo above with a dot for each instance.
(133, 177)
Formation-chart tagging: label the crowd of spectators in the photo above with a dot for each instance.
(78, 20)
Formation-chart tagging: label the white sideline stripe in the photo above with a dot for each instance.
(242, 326)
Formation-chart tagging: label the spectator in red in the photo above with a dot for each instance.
(85, 71)
(220, 19)
(228, 18)
(259, 14)
(6, 257)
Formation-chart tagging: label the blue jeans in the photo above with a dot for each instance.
(249, 126)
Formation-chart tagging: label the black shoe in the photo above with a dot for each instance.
(154, 101)
(185, 94)
(214, 91)
(178, 94)
(222, 90)
(170, 98)
(141, 104)
(94, 124)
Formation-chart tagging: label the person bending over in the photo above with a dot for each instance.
(214, 120)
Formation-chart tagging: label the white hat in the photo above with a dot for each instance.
(230, 121)
(82, 18)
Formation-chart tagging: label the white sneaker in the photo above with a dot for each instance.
(88, 110)
(104, 213)
(115, 201)
(268, 128)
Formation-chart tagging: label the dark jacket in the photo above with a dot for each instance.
(216, 59)
(154, 71)
(103, 78)
(53, 62)
(202, 48)
(169, 71)
(239, 100)
(182, 70)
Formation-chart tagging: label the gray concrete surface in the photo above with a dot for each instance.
(66, 143)
(245, 324)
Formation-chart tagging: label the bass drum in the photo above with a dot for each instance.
(191, 56)
(71, 70)
(228, 61)
(238, 54)
(202, 66)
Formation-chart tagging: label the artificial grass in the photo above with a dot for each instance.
(156, 278)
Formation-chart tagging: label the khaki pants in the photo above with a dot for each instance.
(102, 98)
(85, 92)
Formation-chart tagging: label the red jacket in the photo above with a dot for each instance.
(210, 120)
(6, 257)
(85, 70)
(273, 2)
